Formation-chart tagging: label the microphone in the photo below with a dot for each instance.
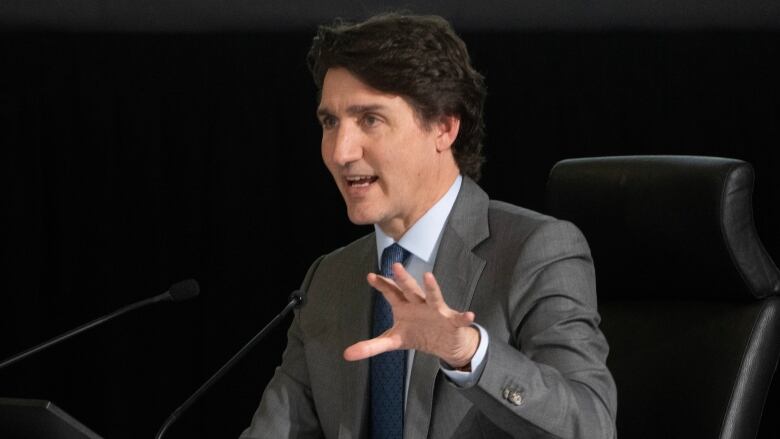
(180, 291)
(296, 299)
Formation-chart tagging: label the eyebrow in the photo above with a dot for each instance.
(353, 109)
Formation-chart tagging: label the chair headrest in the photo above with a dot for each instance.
(666, 226)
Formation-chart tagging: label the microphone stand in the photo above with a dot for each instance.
(295, 300)
(100, 320)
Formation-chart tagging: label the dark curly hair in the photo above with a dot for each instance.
(417, 57)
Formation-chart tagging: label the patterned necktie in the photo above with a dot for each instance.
(388, 370)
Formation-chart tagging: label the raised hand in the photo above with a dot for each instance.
(421, 321)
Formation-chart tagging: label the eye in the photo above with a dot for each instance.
(328, 122)
(370, 121)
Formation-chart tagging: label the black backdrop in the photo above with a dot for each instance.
(132, 160)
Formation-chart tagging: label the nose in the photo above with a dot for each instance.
(347, 146)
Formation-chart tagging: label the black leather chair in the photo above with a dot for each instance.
(687, 293)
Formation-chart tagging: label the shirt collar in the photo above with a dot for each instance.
(423, 237)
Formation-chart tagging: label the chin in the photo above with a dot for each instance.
(360, 220)
(360, 217)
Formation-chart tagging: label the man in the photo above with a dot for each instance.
(483, 322)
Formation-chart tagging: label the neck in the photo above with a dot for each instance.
(398, 227)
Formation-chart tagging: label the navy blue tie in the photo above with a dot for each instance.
(388, 370)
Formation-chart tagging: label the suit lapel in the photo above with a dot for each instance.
(457, 270)
(355, 325)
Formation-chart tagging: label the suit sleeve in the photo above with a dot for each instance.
(286, 409)
(550, 379)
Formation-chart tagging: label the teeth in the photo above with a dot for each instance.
(360, 180)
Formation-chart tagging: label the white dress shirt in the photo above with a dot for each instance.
(422, 241)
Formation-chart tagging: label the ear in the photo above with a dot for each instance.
(446, 132)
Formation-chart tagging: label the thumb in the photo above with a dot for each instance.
(369, 348)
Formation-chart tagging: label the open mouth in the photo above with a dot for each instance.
(361, 180)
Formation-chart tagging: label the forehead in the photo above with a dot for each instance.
(342, 89)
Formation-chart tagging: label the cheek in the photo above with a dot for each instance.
(326, 151)
(415, 162)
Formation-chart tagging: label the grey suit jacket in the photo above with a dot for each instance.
(528, 278)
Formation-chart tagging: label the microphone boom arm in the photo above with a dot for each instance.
(98, 321)
(295, 299)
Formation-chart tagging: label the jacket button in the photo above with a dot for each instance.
(513, 395)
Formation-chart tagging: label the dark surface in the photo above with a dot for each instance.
(675, 364)
(31, 418)
(685, 225)
(131, 161)
(244, 15)
(688, 296)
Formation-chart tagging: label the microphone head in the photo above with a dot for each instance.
(299, 296)
(184, 290)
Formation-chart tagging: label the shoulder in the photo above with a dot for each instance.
(502, 213)
(334, 281)
(355, 258)
(518, 223)
(519, 233)
(499, 229)
(357, 249)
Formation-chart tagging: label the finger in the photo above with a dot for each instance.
(391, 292)
(432, 291)
(435, 298)
(368, 348)
(408, 284)
(465, 318)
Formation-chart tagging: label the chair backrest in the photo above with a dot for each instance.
(687, 293)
